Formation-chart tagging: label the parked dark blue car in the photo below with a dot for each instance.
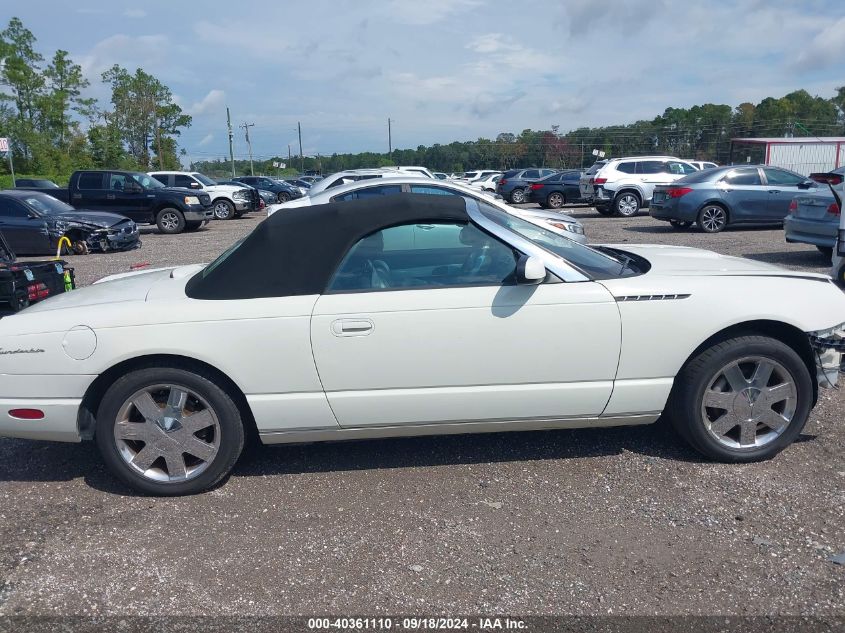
(552, 192)
(515, 184)
(716, 198)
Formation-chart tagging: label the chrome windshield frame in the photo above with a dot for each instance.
(554, 263)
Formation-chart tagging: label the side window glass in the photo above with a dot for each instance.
(117, 182)
(743, 177)
(627, 168)
(531, 173)
(90, 180)
(181, 180)
(425, 255)
(434, 191)
(162, 178)
(369, 192)
(11, 209)
(783, 178)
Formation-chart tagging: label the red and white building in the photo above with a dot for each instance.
(804, 155)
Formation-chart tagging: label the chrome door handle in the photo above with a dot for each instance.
(352, 327)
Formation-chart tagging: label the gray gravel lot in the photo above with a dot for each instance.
(621, 521)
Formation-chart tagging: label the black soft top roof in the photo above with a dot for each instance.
(296, 251)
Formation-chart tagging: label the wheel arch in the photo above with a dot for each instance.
(779, 330)
(630, 188)
(86, 419)
(222, 197)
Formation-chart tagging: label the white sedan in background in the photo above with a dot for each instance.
(417, 315)
(558, 222)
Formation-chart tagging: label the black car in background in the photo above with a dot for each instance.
(38, 183)
(33, 223)
(552, 192)
(283, 190)
(515, 184)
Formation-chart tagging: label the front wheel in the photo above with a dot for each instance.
(742, 400)
(224, 210)
(168, 431)
(712, 219)
(170, 221)
(518, 196)
(283, 196)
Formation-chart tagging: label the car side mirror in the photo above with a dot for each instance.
(530, 270)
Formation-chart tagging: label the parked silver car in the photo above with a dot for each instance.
(814, 216)
(559, 223)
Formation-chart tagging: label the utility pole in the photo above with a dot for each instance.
(301, 158)
(231, 138)
(290, 162)
(246, 127)
(389, 140)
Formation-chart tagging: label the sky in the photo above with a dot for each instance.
(441, 70)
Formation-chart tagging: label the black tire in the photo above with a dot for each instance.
(231, 429)
(713, 218)
(170, 221)
(19, 302)
(518, 196)
(282, 196)
(193, 225)
(555, 200)
(626, 204)
(686, 412)
(827, 251)
(604, 210)
(680, 224)
(223, 209)
(839, 277)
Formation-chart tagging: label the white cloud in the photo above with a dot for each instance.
(827, 48)
(424, 12)
(135, 13)
(213, 100)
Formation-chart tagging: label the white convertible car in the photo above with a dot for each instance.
(412, 315)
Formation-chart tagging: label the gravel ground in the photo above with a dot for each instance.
(615, 521)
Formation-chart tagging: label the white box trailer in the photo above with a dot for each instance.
(804, 155)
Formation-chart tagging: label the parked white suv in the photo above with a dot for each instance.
(414, 170)
(622, 186)
(227, 201)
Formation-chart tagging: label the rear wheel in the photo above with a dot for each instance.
(626, 204)
(555, 200)
(712, 218)
(518, 196)
(744, 399)
(170, 221)
(827, 251)
(167, 431)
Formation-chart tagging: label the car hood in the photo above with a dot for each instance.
(225, 189)
(99, 219)
(685, 261)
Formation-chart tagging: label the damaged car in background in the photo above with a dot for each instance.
(34, 224)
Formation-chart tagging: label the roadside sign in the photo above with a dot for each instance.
(4, 145)
(282, 165)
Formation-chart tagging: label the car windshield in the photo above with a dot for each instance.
(147, 182)
(596, 166)
(203, 179)
(595, 264)
(47, 205)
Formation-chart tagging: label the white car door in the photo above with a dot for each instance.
(438, 332)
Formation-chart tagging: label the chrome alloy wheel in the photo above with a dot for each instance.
(749, 403)
(170, 221)
(628, 204)
(167, 433)
(713, 219)
(222, 210)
